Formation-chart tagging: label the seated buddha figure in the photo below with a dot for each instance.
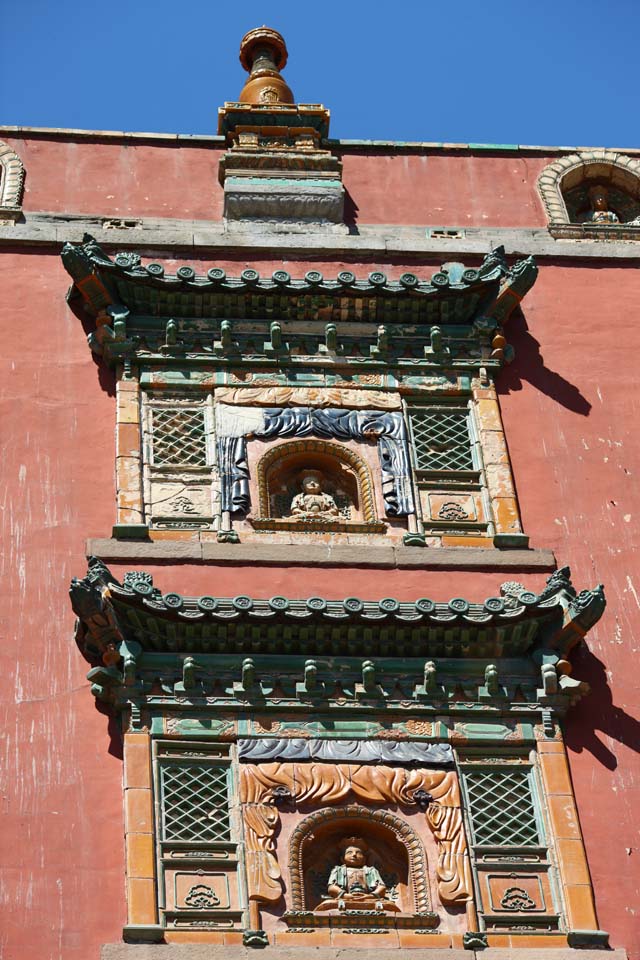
(313, 503)
(600, 212)
(353, 885)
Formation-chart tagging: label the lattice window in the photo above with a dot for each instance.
(195, 802)
(501, 807)
(179, 436)
(441, 438)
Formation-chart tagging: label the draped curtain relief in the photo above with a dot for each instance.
(329, 784)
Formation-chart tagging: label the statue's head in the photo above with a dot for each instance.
(312, 481)
(354, 852)
(599, 197)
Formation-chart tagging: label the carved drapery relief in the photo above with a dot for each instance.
(330, 784)
(282, 396)
(388, 429)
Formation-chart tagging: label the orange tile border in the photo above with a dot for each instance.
(581, 912)
(486, 542)
(564, 817)
(127, 439)
(483, 393)
(381, 941)
(127, 408)
(489, 415)
(137, 760)
(315, 938)
(542, 941)
(232, 938)
(141, 900)
(555, 774)
(573, 862)
(551, 746)
(494, 447)
(140, 855)
(138, 807)
(411, 940)
(190, 936)
(506, 514)
(128, 386)
(175, 535)
(498, 939)
(499, 480)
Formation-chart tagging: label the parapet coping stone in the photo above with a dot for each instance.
(337, 143)
(322, 554)
(153, 235)
(209, 951)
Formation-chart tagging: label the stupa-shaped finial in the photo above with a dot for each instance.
(263, 53)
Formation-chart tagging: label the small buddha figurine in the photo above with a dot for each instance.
(355, 885)
(313, 503)
(600, 212)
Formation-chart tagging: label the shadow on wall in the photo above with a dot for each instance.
(114, 730)
(529, 365)
(106, 377)
(350, 212)
(597, 712)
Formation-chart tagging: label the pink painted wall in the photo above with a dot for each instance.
(159, 179)
(570, 407)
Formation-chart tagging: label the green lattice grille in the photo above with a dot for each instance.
(195, 802)
(501, 807)
(441, 439)
(179, 437)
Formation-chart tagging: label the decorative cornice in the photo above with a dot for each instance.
(451, 319)
(513, 624)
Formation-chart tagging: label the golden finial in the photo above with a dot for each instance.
(263, 54)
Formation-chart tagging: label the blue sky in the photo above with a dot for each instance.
(549, 73)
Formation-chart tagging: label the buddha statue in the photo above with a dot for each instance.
(353, 885)
(600, 212)
(313, 503)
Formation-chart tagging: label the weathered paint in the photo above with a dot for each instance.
(180, 180)
(570, 408)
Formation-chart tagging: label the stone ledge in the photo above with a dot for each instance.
(203, 238)
(210, 951)
(339, 555)
(78, 133)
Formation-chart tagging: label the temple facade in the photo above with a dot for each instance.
(334, 442)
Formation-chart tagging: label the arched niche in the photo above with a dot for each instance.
(564, 186)
(342, 473)
(11, 183)
(394, 848)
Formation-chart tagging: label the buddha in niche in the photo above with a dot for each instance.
(353, 885)
(600, 212)
(313, 503)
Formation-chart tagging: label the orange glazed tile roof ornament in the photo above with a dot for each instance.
(263, 54)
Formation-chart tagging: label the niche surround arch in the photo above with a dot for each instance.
(354, 817)
(316, 454)
(607, 167)
(11, 183)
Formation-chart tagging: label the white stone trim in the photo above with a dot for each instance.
(567, 172)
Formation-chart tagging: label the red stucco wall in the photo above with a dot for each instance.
(570, 407)
(137, 178)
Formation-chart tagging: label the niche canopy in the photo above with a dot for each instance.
(452, 320)
(140, 633)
